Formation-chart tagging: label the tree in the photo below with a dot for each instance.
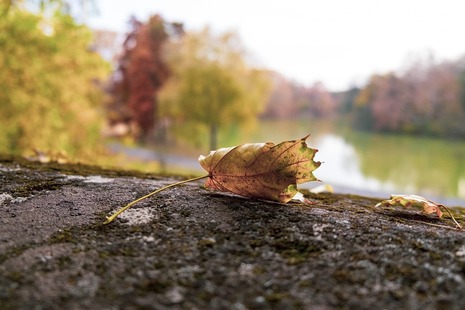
(320, 101)
(141, 74)
(425, 99)
(281, 103)
(347, 100)
(50, 83)
(362, 113)
(289, 99)
(212, 86)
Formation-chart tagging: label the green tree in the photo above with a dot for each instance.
(212, 86)
(49, 86)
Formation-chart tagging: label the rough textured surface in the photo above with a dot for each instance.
(191, 249)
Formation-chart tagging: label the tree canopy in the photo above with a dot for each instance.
(212, 86)
(141, 73)
(50, 83)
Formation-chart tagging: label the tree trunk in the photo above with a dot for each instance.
(213, 136)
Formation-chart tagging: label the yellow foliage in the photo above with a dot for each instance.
(49, 93)
(212, 86)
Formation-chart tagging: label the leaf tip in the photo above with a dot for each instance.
(306, 137)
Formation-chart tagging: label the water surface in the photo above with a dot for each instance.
(375, 164)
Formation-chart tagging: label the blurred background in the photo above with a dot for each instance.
(151, 85)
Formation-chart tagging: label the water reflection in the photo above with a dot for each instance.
(342, 167)
(390, 164)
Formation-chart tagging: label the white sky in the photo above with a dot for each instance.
(338, 42)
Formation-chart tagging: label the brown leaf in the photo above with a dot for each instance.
(261, 170)
(428, 206)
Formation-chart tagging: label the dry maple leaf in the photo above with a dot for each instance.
(261, 170)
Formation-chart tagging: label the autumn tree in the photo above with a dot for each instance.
(462, 82)
(426, 99)
(50, 90)
(391, 105)
(436, 98)
(319, 102)
(281, 103)
(289, 99)
(212, 86)
(141, 73)
(385, 104)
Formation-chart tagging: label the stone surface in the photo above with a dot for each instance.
(188, 248)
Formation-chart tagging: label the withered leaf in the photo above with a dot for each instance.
(428, 206)
(261, 170)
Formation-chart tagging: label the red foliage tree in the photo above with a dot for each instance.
(289, 99)
(281, 103)
(320, 101)
(141, 74)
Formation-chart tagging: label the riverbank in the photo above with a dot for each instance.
(190, 248)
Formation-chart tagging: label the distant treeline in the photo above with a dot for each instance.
(427, 98)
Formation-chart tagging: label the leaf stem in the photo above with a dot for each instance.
(113, 217)
(453, 218)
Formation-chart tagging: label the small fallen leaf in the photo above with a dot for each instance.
(428, 206)
(413, 201)
(261, 170)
